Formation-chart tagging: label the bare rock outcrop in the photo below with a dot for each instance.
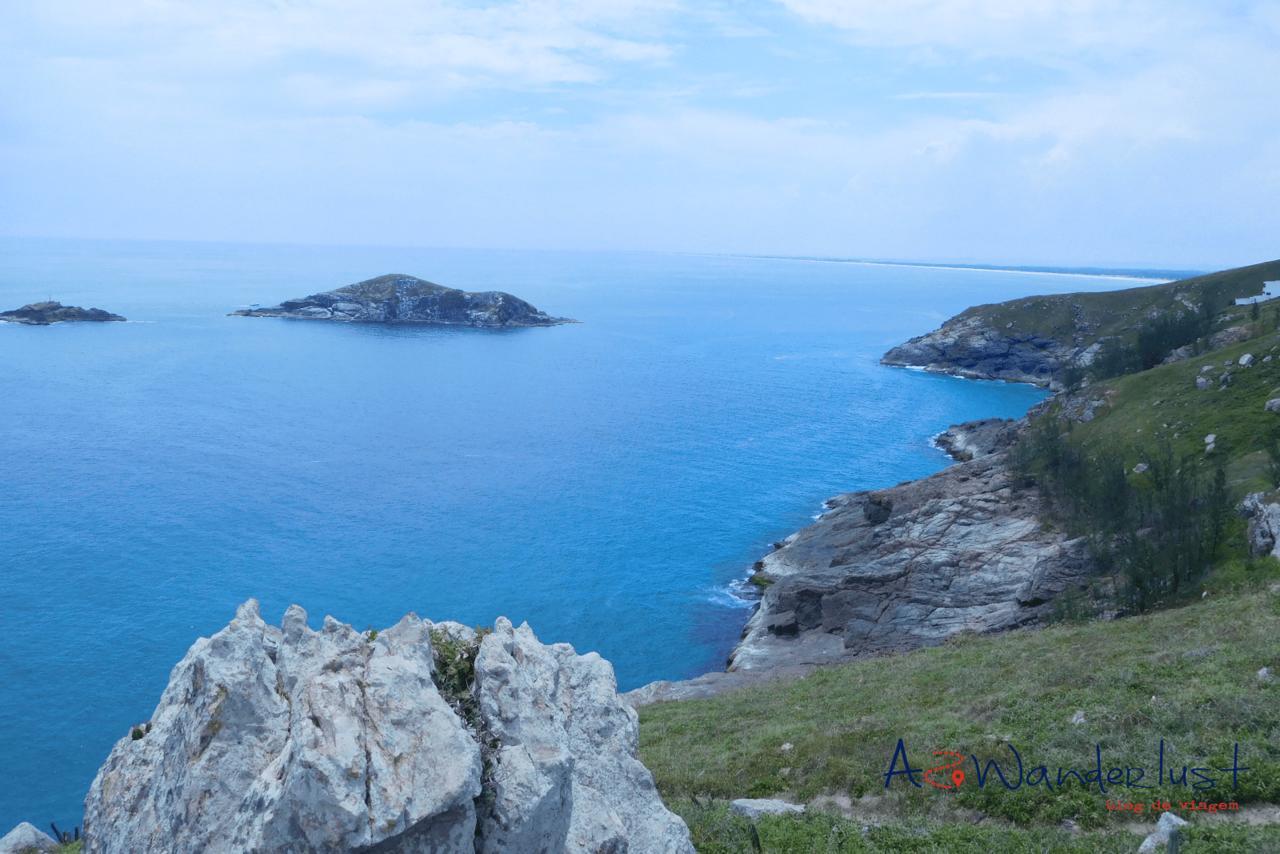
(293, 740)
(899, 568)
(974, 439)
(564, 773)
(1264, 525)
(968, 345)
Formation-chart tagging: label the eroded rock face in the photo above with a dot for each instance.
(292, 740)
(398, 298)
(560, 773)
(45, 313)
(969, 346)
(961, 551)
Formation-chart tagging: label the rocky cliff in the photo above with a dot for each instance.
(45, 313)
(968, 346)
(397, 298)
(893, 569)
(420, 738)
(1036, 339)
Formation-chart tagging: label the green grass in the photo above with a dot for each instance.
(1163, 403)
(717, 831)
(1187, 675)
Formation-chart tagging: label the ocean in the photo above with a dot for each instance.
(610, 481)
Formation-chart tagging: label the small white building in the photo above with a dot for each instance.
(1270, 290)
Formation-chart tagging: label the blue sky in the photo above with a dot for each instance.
(1021, 131)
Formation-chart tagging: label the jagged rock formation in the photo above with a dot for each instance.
(398, 298)
(45, 313)
(565, 754)
(292, 740)
(899, 568)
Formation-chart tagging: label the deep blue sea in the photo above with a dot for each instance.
(607, 481)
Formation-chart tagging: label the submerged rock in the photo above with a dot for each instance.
(46, 313)
(397, 298)
(290, 739)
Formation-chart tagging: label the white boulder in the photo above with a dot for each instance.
(26, 838)
(564, 772)
(295, 740)
(753, 808)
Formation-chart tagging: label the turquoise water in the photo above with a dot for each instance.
(607, 481)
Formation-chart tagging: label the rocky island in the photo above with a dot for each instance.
(46, 313)
(397, 298)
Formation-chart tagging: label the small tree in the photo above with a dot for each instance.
(1254, 311)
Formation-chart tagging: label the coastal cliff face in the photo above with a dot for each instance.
(398, 298)
(894, 569)
(423, 738)
(969, 346)
(46, 313)
(1036, 339)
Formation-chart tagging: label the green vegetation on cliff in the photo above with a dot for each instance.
(1082, 319)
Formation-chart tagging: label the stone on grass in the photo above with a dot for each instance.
(753, 808)
(1164, 834)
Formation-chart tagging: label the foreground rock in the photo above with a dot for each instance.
(397, 298)
(26, 838)
(564, 772)
(899, 568)
(45, 313)
(290, 739)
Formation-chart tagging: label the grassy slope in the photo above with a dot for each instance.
(1111, 313)
(1186, 674)
(1163, 403)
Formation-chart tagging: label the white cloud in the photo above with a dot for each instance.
(1036, 30)
(444, 123)
(426, 42)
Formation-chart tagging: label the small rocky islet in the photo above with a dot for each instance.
(399, 298)
(51, 311)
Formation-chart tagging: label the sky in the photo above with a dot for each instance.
(1110, 132)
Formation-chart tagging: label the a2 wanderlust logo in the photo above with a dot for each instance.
(1016, 772)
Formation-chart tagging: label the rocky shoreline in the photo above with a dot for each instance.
(889, 570)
